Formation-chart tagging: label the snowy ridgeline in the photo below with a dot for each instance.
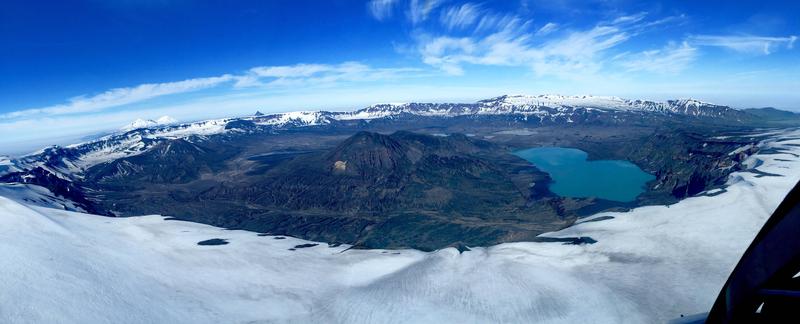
(649, 265)
(142, 135)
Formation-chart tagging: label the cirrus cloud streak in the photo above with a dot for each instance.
(747, 44)
(324, 75)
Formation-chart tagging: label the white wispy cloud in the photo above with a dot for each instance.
(297, 70)
(471, 34)
(507, 40)
(746, 44)
(547, 29)
(458, 17)
(419, 10)
(627, 19)
(319, 74)
(381, 9)
(263, 76)
(577, 53)
(502, 39)
(448, 53)
(255, 76)
(121, 96)
(672, 59)
(493, 21)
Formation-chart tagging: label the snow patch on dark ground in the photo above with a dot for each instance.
(650, 264)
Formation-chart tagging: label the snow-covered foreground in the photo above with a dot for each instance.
(649, 265)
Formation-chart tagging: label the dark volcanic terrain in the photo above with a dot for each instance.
(374, 190)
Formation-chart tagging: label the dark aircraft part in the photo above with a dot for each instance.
(764, 287)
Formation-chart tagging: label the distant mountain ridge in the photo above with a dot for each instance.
(142, 135)
(772, 113)
(548, 105)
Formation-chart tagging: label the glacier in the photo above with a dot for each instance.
(650, 264)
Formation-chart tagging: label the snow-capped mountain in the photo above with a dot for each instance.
(145, 123)
(547, 105)
(73, 159)
(141, 135)
(296, 118)
(7, 165)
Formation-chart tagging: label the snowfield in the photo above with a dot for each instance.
(651, 264)
(146, 123)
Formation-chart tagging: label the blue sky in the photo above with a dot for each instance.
(71, 68)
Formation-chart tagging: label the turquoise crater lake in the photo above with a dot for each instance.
(574, 176)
